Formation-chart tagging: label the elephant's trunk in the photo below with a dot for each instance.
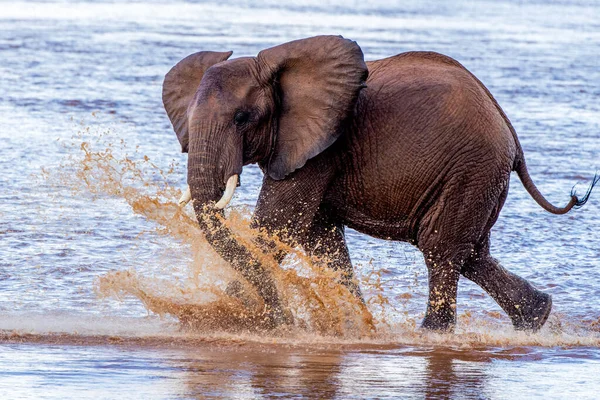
(207, 171)
(205, 179)
(215, 156)
(242, 260)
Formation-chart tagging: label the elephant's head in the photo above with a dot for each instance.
(278, 109)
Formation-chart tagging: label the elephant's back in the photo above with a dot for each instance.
(422, 117)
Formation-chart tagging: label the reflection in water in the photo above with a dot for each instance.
(250, 371)
(328, 374)
(270, 373)
(451, 374)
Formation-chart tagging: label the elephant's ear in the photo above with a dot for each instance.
(180, 85)
(319, 80)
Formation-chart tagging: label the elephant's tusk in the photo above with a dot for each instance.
(229, 190)
(185, 197)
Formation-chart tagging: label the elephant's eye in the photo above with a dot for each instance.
(241, 117)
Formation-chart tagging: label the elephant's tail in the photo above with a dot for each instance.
(521, 168)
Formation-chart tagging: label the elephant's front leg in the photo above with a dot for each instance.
(326, 241)
(286, 208)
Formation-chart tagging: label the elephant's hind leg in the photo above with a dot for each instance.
(448, 234)
(527, 307)
(443, 274)
(445, 250)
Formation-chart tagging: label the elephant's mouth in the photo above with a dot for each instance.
(226, 197)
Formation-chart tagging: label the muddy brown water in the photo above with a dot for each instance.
(97, 263)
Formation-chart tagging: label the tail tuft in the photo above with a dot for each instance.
(580, 202)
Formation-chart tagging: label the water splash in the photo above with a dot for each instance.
(200, 301)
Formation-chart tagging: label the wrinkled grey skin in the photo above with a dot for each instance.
(418, 152)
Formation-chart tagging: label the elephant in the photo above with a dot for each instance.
(409, 148)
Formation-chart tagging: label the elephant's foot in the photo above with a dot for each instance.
(533, 315)
(437, 327)
(441, 322)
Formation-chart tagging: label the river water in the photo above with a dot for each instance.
(97, 264)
